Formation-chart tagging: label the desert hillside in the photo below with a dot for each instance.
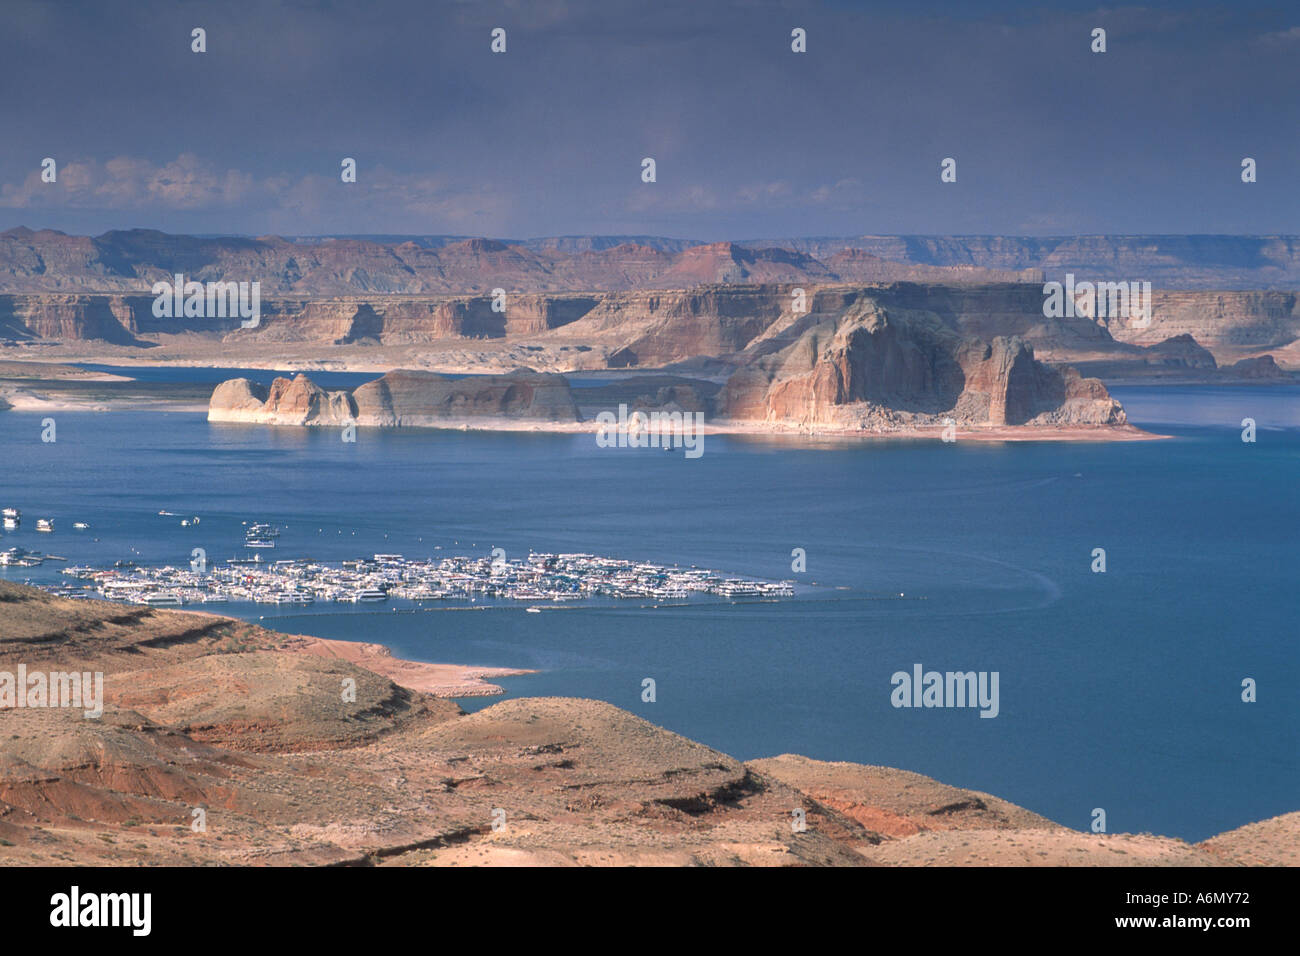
(207, 714)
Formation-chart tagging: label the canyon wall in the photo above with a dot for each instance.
(1223, 322)
(650, 328)
(1178, 262)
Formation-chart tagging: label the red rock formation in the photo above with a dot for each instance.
(400, 398)
(409, 398)
(299, 401)
(867, 368)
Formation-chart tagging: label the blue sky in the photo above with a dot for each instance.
(750, 139)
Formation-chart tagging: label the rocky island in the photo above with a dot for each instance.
(857, 362)
(400, 398)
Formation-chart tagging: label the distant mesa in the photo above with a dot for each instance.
(130, 261)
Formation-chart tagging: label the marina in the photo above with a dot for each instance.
(384, 577)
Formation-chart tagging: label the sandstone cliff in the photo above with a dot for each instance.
(870, 367)
(399, 398)
(288, 402)
(1178, 262)
(652, 327)
(426, 398)
(1229, 324)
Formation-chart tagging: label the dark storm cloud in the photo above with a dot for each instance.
(750, 139)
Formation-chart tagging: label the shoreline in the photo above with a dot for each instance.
(31, 392)
(440, 680)
(734, 427)
(22, 400)
(448, 681)
(474, 357)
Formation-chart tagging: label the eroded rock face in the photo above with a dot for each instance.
(299, 401)
(400, 398)
(1221, 321)
(236, 396)
(426, 398)
(651, 393)
(109, 318)
(865, 366)
(1260, 367)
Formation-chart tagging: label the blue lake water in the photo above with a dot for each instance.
(1119, 690)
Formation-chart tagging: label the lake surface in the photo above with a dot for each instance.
(1119, 690)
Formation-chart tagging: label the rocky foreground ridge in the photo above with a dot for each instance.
(209, 714)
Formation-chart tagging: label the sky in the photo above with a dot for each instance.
(750, 139)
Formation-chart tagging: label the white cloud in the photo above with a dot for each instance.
(279, 202)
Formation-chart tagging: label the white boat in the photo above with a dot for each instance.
(21, 558)
(370, 594)
(45, 524)
(259, 543)
(80, 525)
(293, 597)
(163, 599)
(533, 610)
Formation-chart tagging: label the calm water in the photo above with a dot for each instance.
(1118, 690)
